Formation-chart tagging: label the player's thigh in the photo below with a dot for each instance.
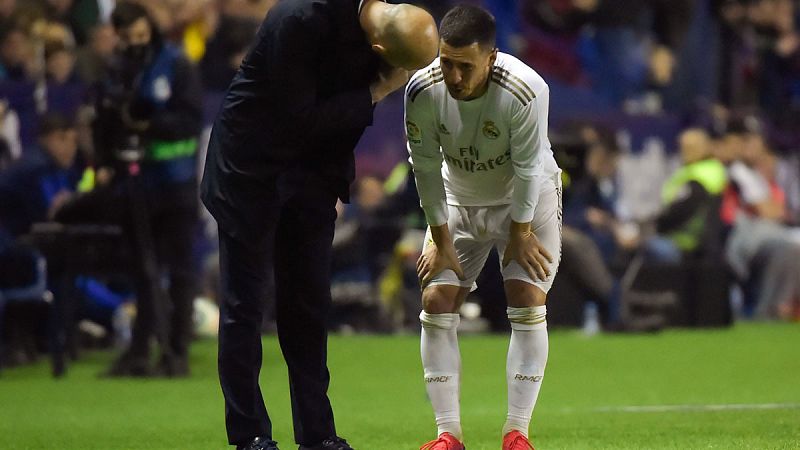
(472, 248)
(443, 298)
(546, 226)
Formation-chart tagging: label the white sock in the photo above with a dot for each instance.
(441, 361)
(527, 358)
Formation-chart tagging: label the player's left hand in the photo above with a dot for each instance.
(528, 252)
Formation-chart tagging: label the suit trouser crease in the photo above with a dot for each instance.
(297, 239)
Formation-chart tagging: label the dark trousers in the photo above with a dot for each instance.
(173, 238)
(161, 232)
(296, 244)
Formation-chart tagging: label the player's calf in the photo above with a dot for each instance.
(527, 358)
(441, 362)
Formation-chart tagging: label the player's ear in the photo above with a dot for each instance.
(492, 57)
(379, 49)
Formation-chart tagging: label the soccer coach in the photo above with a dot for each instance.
(280, 154)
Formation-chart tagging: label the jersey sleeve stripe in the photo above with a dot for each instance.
(514, 91)
(515, 80)
(413, 95)
(428, 75)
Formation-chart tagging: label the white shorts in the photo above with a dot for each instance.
(476, 229)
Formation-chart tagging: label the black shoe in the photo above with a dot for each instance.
(259, 443)
(334, 443)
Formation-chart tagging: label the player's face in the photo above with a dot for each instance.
(466, 69)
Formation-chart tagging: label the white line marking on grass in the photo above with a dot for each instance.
(673, 408)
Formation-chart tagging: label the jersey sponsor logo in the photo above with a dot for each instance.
(471, 151)
(532, 378)
(468, 160)
(490, 130)
(414, 133)
(439, 379)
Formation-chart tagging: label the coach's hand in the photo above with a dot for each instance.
(436, 258)
(389, 80)
(524, 248)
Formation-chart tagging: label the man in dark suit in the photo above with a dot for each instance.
(281, 153)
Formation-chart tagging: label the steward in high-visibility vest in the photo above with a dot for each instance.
(691, 191)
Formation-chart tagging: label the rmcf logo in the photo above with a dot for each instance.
(532, 378)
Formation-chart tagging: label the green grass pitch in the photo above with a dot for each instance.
(735, 388)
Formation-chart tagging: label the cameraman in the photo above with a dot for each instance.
(149, 116)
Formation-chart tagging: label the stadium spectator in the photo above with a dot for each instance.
(66, 92)
(602, 39)
(94, 59)
(761, 250)
(149, 116)
(691, 196)
(591, 200)
(226, 49)
(10, 145)
(36, 187)
(16, 55)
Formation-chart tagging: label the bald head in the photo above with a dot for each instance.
(695, 145)
(404, 35)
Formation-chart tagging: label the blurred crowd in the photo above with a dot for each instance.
(677, 123)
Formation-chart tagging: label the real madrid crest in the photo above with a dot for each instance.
(413, 132)
(490, 130)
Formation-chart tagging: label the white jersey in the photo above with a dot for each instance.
(495, 147)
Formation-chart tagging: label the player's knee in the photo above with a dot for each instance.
(440, 299)
(528, 318)
(522, 294)
(440, 321)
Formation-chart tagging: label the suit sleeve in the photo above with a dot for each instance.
(528, 136)
(295, 82)
(425, 156)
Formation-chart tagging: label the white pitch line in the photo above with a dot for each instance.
(672, 408)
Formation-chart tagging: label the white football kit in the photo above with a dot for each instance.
(498, 165)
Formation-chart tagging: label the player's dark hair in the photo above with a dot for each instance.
(465, 25)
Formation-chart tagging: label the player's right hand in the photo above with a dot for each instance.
(529, 253)
(389, 80)
(435, 260)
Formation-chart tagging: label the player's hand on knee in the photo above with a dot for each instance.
(435, 260)
(529, 253)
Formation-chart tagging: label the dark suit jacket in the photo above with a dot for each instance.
(293, 114)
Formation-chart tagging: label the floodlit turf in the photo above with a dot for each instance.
(380, 401)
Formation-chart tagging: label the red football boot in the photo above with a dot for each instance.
(516, 441)
(446, 441)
